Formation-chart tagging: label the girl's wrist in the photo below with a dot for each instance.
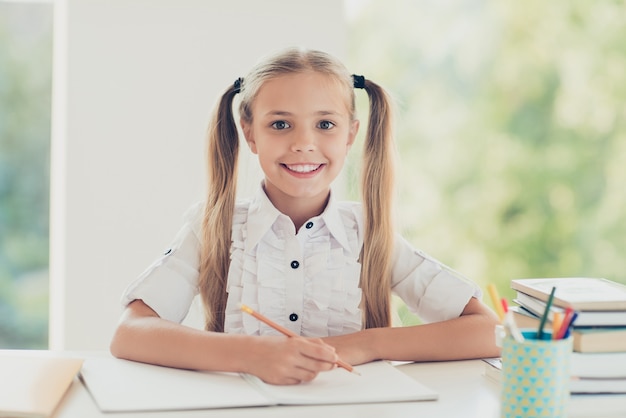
(372, 343)
(247, 348)
(237, 353)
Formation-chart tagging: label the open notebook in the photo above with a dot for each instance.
(32, 385)
(120, 385)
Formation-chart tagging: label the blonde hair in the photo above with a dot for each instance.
(376, 184)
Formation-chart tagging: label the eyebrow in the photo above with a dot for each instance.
(286, 113)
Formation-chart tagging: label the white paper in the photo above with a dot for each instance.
(378, 382)
(119, 385)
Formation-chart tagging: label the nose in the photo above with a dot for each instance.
(303, 141)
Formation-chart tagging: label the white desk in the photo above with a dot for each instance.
(463, 390)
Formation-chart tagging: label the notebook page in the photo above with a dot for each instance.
(379, 382)
(120, 385)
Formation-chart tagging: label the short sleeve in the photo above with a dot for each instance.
(170, 283)
(431, 290)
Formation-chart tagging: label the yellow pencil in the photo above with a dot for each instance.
(288, 333)
(495, 299)
(557, 320)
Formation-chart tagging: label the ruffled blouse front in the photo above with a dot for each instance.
(307, 281)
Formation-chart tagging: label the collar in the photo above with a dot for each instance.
(334, 222)
(262, 215)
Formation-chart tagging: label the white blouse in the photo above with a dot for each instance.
(307, 281)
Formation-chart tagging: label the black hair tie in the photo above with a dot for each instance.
(237, 85)
(359, 81)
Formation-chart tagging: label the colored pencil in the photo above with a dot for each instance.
(570, 324)
(544, 317)
(557, 320)
(496, 301)
(567, 318)
(510, 326)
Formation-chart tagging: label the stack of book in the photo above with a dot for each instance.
(598, 363)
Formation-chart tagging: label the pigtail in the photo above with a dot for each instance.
(378, 192)
(223, 149)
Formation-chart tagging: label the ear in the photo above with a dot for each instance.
(354, 129)
(248, 134)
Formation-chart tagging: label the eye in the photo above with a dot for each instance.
(280, 125)
(325, 124)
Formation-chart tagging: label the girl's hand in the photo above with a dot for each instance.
(289, 360)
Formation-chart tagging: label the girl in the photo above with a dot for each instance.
(323, 268)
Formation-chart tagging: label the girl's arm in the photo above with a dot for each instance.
(471, 335)
(143, 336)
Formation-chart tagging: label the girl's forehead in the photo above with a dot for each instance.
(308, 78)
(312, 87)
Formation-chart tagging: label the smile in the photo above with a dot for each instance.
(303, 168)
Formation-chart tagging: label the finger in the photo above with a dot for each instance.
(309, 367)
(320, 351)
(291, 375)
(287, 381)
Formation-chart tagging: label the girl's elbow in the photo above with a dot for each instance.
(118, 343)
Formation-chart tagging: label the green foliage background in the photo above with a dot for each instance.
(25, 96)
(511, 131)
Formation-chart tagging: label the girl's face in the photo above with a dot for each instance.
(301, 130)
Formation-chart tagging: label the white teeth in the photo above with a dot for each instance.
(303, 168)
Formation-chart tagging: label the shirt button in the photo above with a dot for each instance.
(295, 264)
(309, 225)
(293, 317)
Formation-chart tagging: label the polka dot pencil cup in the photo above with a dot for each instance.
(535, 376)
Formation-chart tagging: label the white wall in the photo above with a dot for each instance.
(134, 82)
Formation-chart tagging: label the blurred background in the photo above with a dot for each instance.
(25, 109)
(511, 131)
